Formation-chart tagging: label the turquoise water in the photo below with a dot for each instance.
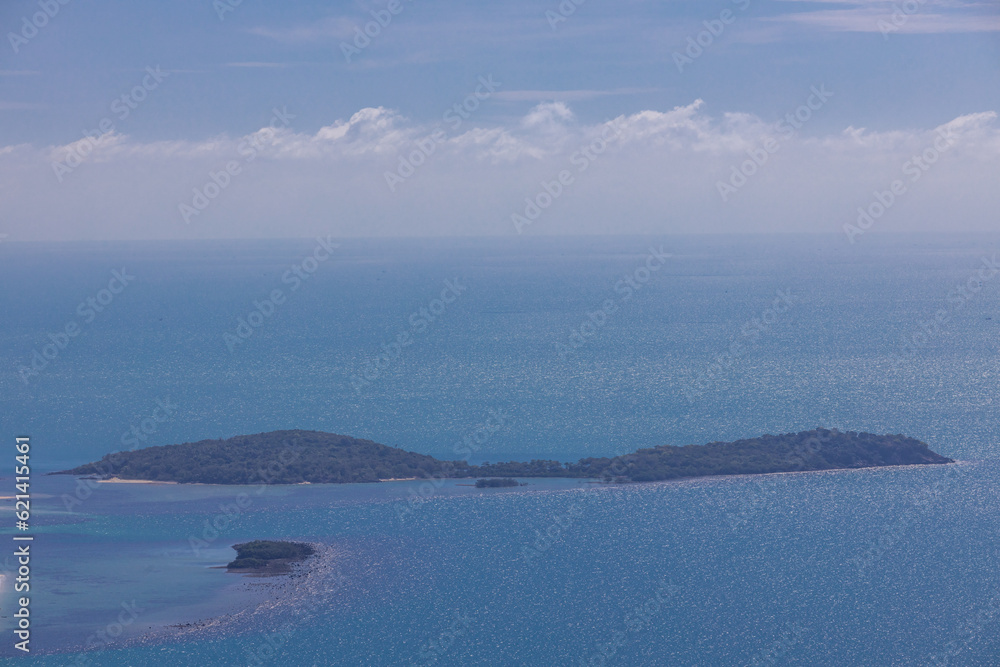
(888, 567)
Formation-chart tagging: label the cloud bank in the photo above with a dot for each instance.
(378, 173)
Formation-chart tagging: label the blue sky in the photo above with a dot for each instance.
(559, 82)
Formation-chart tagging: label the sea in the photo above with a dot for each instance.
(495, 349)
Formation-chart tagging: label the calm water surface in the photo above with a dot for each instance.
(877, 567)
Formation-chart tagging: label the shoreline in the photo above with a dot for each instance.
(582, 480)
(897, 466)
(119, 480)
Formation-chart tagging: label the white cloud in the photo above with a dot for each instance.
(649, 171)
(547, 114)
(891, 16)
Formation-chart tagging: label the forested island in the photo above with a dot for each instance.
(296, 457)
(269, 556)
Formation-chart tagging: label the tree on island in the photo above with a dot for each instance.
(259, 554)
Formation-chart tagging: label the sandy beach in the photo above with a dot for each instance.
(119, 480)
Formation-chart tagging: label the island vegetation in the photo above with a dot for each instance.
(269, 555)
(278, 457)
(294, 457)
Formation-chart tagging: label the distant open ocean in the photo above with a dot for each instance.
(583, 347)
